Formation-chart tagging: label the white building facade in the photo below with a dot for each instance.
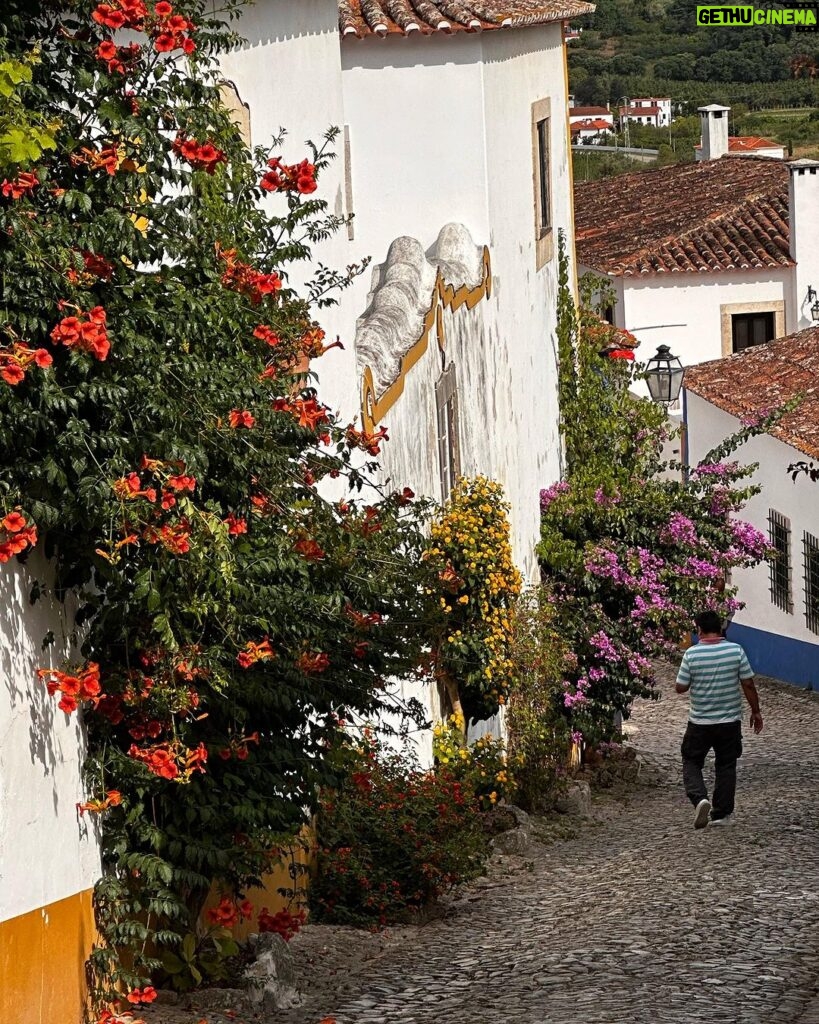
(779, 625)
(456, 167)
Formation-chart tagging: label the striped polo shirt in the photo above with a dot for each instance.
(712, 670)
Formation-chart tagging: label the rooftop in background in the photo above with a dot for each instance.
(589, 111)
(406, 17)
(714, 216)
(591, 124)
(748, 143)
(762, 378)
(639, 111)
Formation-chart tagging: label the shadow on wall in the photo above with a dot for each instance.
(269, 21)
(23, 628)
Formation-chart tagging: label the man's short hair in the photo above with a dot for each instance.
(708, 622)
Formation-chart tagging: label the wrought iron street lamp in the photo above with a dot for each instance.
(664, 376)
(814, 309)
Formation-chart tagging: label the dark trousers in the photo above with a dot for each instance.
(726, 742)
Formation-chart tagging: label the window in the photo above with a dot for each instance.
(541, 160)
(544, 204)
(810, 546)
(749, 329)
(446, 404)
(779, 534)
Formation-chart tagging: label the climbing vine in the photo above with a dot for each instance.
(161, 437)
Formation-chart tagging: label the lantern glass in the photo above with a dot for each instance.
(814, 310)
(664, 376)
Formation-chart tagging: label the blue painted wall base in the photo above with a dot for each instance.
(793, 661)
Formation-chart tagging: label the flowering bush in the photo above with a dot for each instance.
(158, 430)
(481, 764)
(392, 837)
(479, 582)
(629, 555)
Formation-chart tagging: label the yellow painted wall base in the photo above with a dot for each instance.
(42, 958)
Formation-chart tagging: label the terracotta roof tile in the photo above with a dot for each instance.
(764, 377)
(588, 111)
(590, 124)
(748, 144)
(405, 17)
(712, 216)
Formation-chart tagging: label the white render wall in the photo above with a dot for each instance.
(683, 310)
(47, 852)
(798, 500)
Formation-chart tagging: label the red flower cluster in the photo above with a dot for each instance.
(16, 535)
(241, 277)
(171, 760)
(84, 686)
(142, 995)
(16, 360)
(121, 14)
(241, 418)
(236, 525)
(119, 59)
(113, 798)
(175, 539)
(289, 177)
(86, 331)
(168, 30)
(266, 334)
(239, 747)
(363, 620)
(370, 443)
(312, 343)
(312, 662)
(201, 156)
(127, 488)
(284, 923)
(309, 549)
(96, 267)
(24, 183)
(306, 410)
(229, 912)
(255, 652)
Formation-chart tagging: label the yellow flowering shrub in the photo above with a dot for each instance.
(482, 765)
(480, 584)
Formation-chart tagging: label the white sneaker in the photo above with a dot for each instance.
(701, 813)
(727, 820)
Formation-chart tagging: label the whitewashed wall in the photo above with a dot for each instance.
(692, 301)
(47, 853)
(783, 641)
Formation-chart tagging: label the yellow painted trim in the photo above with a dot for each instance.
(444, 296)
(42, 962)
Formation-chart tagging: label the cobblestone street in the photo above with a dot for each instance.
(638, 917)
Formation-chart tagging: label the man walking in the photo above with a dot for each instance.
(717, 673)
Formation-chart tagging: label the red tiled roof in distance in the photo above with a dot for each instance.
(590, 124)
(638, 111)
(748, 143)
(760, 379)
(588, 111)
(706, 217)
(406, 17)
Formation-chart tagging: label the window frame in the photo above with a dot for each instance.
(810, 567)
(541, 125)
(769, 316)
(446, 430)
(780, 568)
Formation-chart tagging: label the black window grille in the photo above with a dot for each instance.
(810, 547)
(544, 172)
(779, 534)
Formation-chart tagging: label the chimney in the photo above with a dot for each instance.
(803, 218)
(714, 121)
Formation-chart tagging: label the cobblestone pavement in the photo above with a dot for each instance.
(638, 918)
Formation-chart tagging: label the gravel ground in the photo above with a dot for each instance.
(632, 917)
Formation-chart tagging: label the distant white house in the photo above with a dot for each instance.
(716, 141)
(709, 258)
(779, 625)
(650, 110)
(578, 115)
(590, 131)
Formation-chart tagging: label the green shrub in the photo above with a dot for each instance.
(391, 838)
